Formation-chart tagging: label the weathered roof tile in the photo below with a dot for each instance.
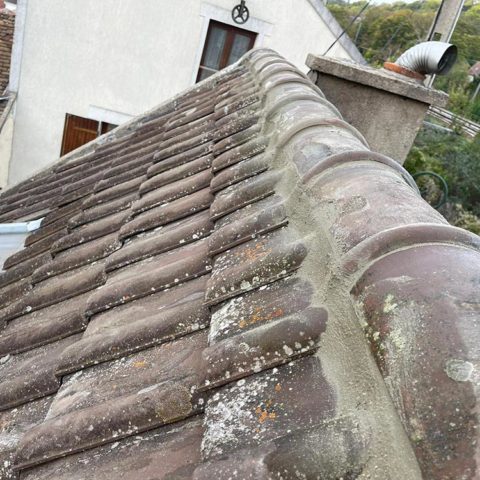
(155, 389)
(176, 173)
(162, 453)
(150, 275)
(169, 212)
(253, 264)
(30, 375)
(90, 231)
(147, 321)
(193, 255)
(162, 239)
(44, 326)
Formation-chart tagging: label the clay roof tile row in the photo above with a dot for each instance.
(165, 319)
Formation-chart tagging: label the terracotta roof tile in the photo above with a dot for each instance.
(30, 375)
(162, 239)
(168, 212)
(44, 326)
(168, 452)
(191, 305)
(126, 398)
(159, 318)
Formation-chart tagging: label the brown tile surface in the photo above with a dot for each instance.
(172, 316)
(107, 305)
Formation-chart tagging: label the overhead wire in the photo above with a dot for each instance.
(348, 26)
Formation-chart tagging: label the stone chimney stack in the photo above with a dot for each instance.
(386, 107)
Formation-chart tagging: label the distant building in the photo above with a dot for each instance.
(81, 68)
(7, 25)
(475, 70)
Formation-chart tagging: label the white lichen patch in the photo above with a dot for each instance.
(389, 305)
(459, 370)
(224, 319)
(231, 417)
(398, 339)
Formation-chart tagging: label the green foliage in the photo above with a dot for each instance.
(453, 157)
(382, 33)
(385, 31)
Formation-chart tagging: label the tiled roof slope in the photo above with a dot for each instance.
(7, 25)
(193, 302)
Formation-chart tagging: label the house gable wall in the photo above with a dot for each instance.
(120, 56)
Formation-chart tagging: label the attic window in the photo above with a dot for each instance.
(13, 235)
(224, 45)
(78, 131)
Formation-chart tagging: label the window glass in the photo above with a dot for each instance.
(224, 45)
(203, 74)
(216, 44)
(241, 45)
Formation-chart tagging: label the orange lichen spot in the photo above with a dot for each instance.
(264, 414)
(140, 364)
(255, 252)
(260, 315)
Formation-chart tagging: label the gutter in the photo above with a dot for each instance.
(20, 227)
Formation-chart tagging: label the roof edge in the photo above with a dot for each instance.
(122, 130)
(345, 41)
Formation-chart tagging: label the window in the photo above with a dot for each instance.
(78, 131)
(224, 45)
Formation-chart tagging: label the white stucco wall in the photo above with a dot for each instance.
(6, 134)
(127, 56)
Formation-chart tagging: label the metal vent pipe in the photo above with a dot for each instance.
(429, 58)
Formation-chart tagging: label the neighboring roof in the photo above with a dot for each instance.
(475, 70)
(7, 26)
(184, 310)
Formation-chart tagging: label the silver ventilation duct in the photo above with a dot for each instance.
(429, 58)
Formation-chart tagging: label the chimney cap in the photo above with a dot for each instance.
(380, 79)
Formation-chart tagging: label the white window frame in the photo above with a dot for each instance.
(211, 12)
(105, 115)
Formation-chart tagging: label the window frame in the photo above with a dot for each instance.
(209, 12)
(232, 31)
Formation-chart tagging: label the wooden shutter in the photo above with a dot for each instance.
(78, 131)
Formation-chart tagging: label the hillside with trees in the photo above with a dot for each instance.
(382, 32)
